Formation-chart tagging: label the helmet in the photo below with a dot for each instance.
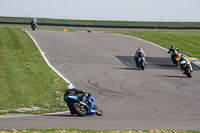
(140, 48)
(70, 86)
(182, 56)
(172, 46)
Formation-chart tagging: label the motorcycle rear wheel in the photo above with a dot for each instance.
(79, 109)
(142, 65)
(99, 111)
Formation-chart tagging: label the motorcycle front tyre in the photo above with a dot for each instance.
(188, 73)
(79, 109)
(33, 28)
(99, 111)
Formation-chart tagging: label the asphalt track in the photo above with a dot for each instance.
(160, 97)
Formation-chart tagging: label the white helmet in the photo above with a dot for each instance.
(70, 86)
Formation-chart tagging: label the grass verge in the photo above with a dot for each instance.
(28, 85)
(188, 42)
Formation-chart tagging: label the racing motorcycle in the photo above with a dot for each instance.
(175, 59)
(33, 25)
(141, 63)
(186, 69)
(82, 107)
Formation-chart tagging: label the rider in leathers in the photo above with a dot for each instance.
(183, 58)
(75, 92)
(173, 51)
(139, 53)
(71, 90)
(34, 21)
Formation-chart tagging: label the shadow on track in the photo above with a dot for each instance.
(67, 115)
(61, 115)
(128, 68)
(152, 63)
(171, 76)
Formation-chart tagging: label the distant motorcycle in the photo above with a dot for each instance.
(141, 63)
(80, 108)
(186, 69)
(33, 25)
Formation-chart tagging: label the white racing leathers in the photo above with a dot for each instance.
(138, 54)
(183, 61)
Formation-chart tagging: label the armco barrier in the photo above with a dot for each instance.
(104, 26)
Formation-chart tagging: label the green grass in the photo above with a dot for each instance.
(109, 23)
(188, 42)
(94, 131)
(26, 80)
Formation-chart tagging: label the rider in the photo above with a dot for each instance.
(173, 51)
(139, 53)
(34, 21)
(80, 93)
(183, 58)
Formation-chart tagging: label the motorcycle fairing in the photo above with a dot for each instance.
(71, 99)
(92, 111)
(92, 102)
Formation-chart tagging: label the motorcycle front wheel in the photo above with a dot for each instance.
(99, 111)
(33, 28)
(79, 109)
(188, 73)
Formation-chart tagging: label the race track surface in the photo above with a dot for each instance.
(160, 97)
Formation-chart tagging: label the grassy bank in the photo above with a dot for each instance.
(188, 42)
(28, 85)
(93, 131)
(100, 22)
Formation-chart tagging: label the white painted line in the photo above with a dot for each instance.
(42, 53)
(19, 115)
(55, 113)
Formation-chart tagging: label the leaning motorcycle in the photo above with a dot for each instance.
(186, 69)
(80, 108)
